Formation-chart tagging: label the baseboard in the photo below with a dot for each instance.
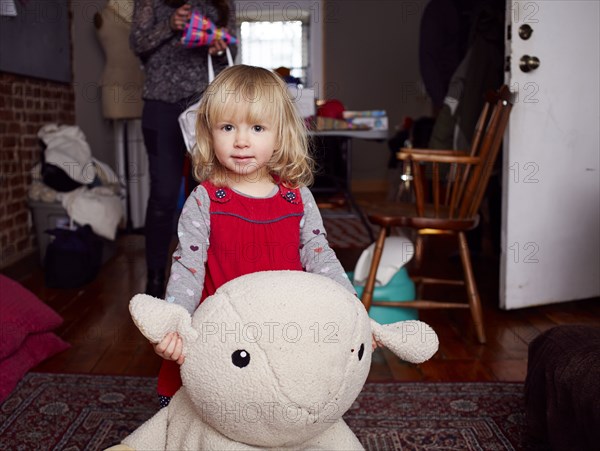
(370, 186)
(20, 267)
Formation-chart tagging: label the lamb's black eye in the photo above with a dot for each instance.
(361, 351)
(240, 358)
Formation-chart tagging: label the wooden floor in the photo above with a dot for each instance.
(104, 340)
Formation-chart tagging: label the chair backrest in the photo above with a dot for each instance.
(468, 174)
(487, 139)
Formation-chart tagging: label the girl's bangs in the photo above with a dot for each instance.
(263, 110)
(245, 102)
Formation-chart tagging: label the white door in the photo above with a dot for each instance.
(551, 186)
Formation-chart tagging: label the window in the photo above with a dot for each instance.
(289, 34)
(275, 44)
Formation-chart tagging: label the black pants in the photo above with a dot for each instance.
(166, 153)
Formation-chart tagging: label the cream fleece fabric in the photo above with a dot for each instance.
(67, 148)
(273, 360)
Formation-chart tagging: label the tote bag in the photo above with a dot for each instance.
(187, 119)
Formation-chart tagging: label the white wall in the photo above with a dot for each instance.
(371, 62)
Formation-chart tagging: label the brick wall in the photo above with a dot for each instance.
(26, 104)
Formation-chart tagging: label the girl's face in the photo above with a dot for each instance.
(244, 148)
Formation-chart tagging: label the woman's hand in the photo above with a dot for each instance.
(180, 17)
(171, 348)
(218, 46)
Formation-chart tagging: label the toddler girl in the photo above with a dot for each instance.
(252, 211)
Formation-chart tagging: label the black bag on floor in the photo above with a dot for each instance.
(73, 258)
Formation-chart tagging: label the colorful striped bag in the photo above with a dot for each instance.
(201, 31)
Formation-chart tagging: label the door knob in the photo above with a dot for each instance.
(525, 31)
(528, 63)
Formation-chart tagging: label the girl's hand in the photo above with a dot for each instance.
(374, 343)
(171, 348)
(180, 17)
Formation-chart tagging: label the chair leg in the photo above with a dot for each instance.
(367, 296)
(417, 261)
(419, 249)
(473, 294)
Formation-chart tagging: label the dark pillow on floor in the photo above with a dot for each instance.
(35, 349)
(22, 314)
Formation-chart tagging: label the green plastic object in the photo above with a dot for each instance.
(399, 288)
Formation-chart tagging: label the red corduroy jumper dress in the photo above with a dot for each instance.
(247, 235)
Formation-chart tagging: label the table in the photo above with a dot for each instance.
(341, 174)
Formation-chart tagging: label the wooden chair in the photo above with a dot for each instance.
(451, 205)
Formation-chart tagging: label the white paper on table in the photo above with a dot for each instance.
(304, 99)
(8, 8)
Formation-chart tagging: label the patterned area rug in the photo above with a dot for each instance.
(344, 233)
(442, 416)
(90, 412)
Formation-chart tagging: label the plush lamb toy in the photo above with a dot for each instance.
(273, 360)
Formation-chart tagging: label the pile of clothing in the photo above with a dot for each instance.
(88, 189)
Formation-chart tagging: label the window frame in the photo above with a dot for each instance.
(310, 12)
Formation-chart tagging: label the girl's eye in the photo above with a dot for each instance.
(227, 128)
(258, 128)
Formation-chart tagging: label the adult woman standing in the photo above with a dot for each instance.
(174, 78)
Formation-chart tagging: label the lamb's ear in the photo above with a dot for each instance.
(155, 318)
(413, 341)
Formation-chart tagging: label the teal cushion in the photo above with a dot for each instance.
(399, 288)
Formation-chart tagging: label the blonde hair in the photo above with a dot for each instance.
(260, 95)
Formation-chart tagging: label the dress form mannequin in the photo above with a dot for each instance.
(122, 82)
(122, 79)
